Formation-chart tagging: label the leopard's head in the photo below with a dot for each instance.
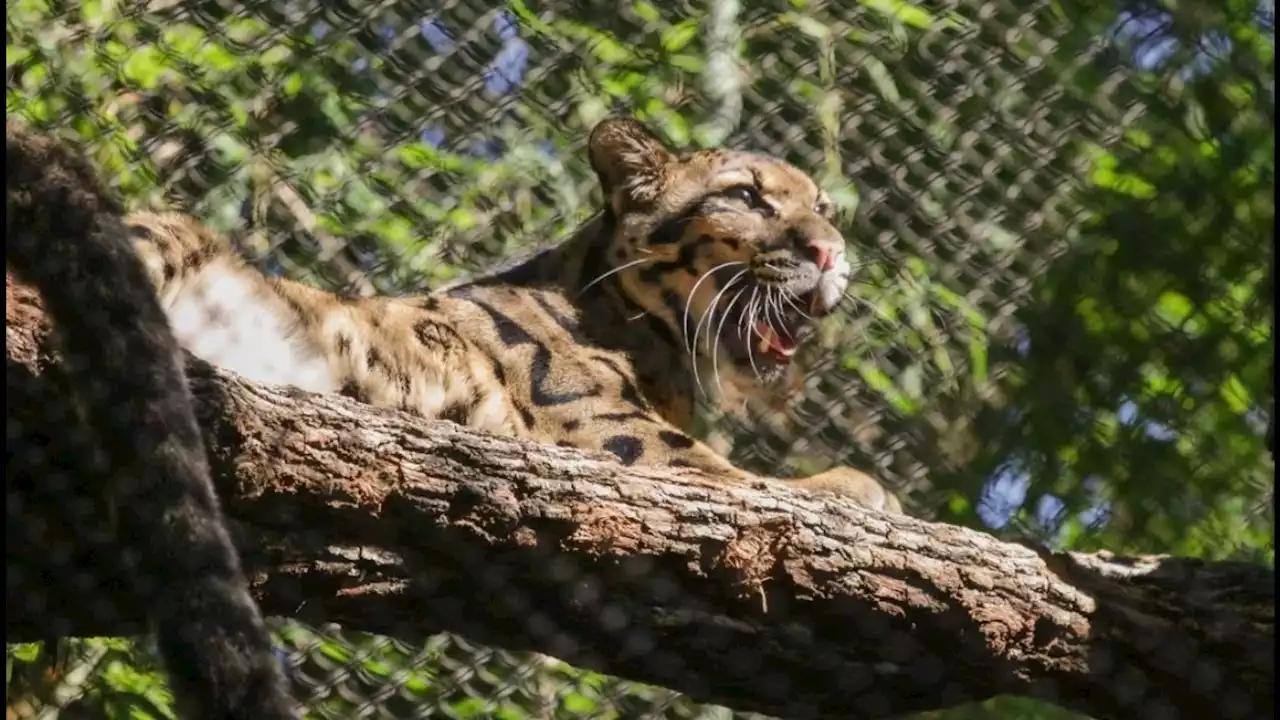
(735, 252)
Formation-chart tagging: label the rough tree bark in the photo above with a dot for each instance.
(759, 598)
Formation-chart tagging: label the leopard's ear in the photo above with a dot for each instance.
(629, 160)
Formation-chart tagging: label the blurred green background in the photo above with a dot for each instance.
(1062, 212)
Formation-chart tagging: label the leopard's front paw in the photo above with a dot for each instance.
(853, 484)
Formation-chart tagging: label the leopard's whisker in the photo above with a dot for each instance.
(774, 302)
(751, 331)
(715, 348)
(614, 271)
(745, 320)
(693, 292)
(708, 316)
(710, 311)
(790, 298)
(863, 302)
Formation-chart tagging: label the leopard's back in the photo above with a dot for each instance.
(407, 353)
(510, 360)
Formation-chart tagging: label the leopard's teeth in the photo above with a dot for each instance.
(771, 342)
(766, 336)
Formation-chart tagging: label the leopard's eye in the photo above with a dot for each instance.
(748, 196)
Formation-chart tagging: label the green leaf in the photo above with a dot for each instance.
(881, 78)
(807, 25)
(646, 12)
(902, 12)
(1236, 395)
(26, 652)
(678, 36)
(145, 67)
(292, 84)
(1124, 183)
(1174, 308)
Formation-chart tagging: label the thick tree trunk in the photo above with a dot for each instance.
(759, 598)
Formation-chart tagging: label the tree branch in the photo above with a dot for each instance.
(760, 598)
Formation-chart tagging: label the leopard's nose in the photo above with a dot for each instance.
(820, 248)
(821, 255)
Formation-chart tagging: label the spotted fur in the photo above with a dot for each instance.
(64, 235)
(702, 271)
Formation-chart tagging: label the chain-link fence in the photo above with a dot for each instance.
(1062, 214)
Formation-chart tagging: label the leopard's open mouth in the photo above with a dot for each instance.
(763, 318)
(769, 331)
